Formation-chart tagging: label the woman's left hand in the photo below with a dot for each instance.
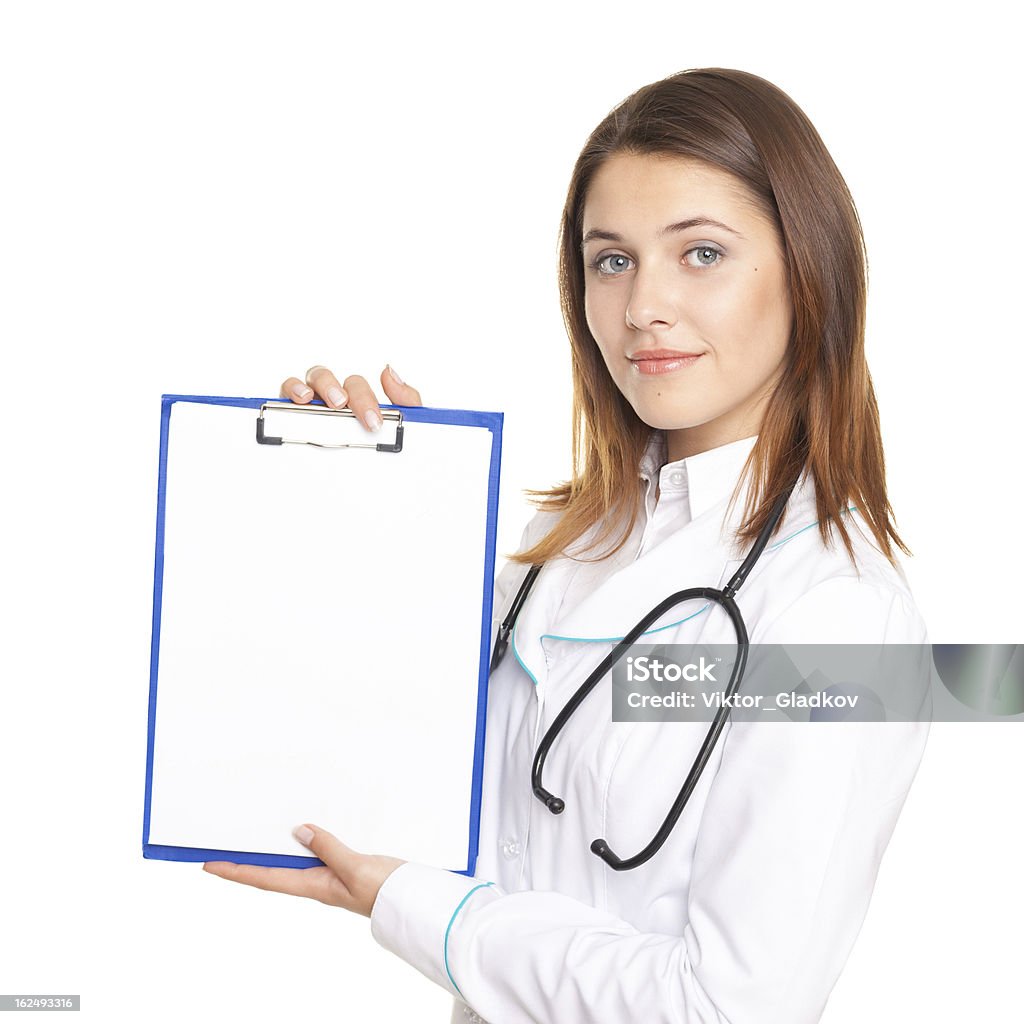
(350, 880)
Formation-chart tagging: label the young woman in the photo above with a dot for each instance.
(713, 285)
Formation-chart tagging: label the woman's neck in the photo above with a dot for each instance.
(682, 444)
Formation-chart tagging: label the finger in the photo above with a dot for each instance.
(326, 385)
(293, 881)
(363, 402)
(317, 883)
(296, 390)
(397, 390)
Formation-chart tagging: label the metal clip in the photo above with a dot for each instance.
(317, 410)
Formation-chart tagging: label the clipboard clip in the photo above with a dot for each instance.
(387, 414)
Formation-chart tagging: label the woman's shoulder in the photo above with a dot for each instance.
(513, 573)
(538, 527)
(804, 549)
(831, 596)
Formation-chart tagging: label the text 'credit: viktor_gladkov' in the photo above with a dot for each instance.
(645, 670)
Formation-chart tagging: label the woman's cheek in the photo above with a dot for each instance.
(600, 317)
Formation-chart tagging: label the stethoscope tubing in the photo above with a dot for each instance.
(726, 599)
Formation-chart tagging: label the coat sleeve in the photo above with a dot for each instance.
(792, 834)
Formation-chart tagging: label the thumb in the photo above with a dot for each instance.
(331, 850)
(397, 390)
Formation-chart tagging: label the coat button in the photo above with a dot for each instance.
(509, 847)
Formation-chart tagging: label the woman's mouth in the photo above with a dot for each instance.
(662, 360)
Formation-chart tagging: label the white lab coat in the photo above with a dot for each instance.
(748, 912)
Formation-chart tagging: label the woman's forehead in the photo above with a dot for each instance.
(644, 187)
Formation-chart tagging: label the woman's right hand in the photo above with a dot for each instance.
(354, 394)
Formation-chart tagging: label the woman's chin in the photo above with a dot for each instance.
(668, 419)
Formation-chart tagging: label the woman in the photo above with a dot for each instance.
(713, 284)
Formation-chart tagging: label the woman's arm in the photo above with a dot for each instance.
(793, 831)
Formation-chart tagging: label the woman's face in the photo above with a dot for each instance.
(686, 296)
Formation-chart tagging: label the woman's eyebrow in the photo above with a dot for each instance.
(699, 222)
(683, 225)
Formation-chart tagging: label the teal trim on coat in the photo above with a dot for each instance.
(447, 931)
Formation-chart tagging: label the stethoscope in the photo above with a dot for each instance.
(726, 598)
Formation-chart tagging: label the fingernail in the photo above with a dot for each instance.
(303, 834)
(301, 391)
(391, 370)
(337, 396)
(372, 420)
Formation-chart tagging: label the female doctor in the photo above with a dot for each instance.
(713, 286)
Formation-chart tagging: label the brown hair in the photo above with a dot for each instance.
(823, 414)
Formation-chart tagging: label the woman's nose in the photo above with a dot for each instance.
(651, 302)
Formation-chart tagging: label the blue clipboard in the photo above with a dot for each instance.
(219, 533)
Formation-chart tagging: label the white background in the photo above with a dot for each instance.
(208, 197)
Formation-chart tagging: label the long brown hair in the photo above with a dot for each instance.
(822, 414)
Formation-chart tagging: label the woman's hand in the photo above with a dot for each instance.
(350, 880)
(355, 394)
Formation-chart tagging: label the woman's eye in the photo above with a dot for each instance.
(702, 256)
(612, 264)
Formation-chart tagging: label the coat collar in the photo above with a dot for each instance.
(709, 476)
(702, 553)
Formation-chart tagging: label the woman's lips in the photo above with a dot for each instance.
(662, 361)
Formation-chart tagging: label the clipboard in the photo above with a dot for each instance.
(321, 630)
